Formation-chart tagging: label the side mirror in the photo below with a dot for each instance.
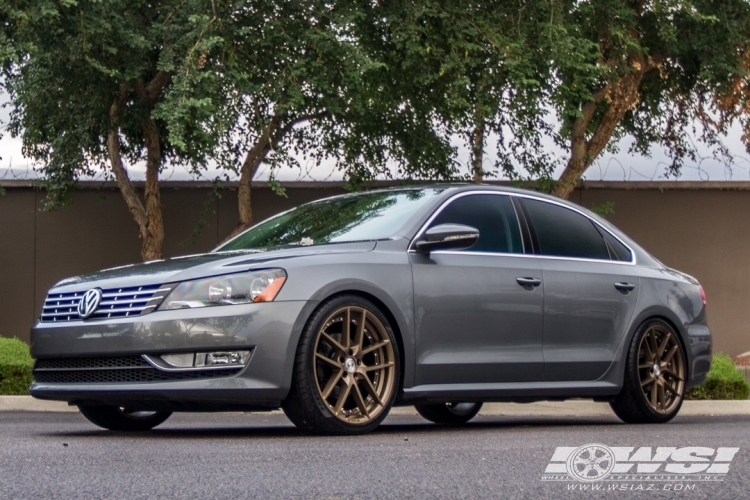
(447, 236)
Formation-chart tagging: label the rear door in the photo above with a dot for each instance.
(475, 323)
(590, 290)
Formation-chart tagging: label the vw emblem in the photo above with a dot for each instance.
(89, 302)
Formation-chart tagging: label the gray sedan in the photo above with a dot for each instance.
(441, 297)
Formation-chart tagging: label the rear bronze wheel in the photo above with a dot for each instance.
(346, 374)
(654, 384)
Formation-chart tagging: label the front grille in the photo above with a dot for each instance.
(113, 369)
(115, 303)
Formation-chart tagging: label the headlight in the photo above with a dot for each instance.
(246, 288)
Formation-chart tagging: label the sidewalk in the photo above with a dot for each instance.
(572, 408)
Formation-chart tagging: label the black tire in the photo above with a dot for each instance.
(117, 419)
(305, 405)
(632, 405)
(449, 413)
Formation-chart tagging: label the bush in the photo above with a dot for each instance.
(724, 381)
(15, 367)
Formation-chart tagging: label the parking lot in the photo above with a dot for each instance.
(61, 455)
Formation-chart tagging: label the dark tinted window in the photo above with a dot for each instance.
(565, 233)
(492, 215)
(617, 249)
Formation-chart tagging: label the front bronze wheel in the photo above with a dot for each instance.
(347, 369)
(654, 384)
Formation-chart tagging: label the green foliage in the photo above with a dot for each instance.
(606, 208)
(724, 381)
(298, 75)
(15, 367)
(71, 61)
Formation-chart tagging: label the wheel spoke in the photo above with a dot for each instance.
(652, 346)
(654, 403)
(360, 401)
(672, 388)
(662, 397)
(373, 347)
(647, 381)
(328, 360)
(668, 357)
(672, 375)
(371, 390)
(342, 399)
(332, 382)
(333, 342)
(649, 353)
(663, 345)
(645, 365)
(368, 369)
(346, 329)
(359, 336)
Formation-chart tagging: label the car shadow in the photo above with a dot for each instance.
(403, 426)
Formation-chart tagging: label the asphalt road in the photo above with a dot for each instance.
(235, 456)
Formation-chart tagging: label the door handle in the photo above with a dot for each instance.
(625, 287)
(529, 283)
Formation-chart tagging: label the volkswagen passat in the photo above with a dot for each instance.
(440, 297)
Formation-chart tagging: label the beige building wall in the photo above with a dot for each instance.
(699, 228)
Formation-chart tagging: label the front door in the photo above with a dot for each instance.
(475, 321)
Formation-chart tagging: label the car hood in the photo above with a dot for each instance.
(189, 267)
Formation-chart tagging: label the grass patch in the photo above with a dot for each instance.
(724, 381)
(15, 367)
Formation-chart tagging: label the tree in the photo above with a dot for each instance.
(647, 70)
(282, 77)
(84, 79)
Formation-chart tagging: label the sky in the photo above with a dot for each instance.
(610, 167)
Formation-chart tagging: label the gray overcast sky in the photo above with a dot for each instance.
(621, 166)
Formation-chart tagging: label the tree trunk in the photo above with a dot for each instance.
(618, 97)
(271, 136)
(151, 245)
(477, 152)
(253, 159)
(149, 217)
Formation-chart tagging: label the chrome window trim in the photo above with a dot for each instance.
(437, 212)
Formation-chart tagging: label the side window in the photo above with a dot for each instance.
(494, 217)
(564, 233)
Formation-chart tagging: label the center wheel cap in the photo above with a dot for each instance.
(656, 370)
(350, 365)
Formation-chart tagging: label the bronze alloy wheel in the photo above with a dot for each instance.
(354, 366)
(655, 374)
(661, 369)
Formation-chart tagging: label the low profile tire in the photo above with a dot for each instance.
(449, 413)
(346, 371)
(118, 419)
(654, 384)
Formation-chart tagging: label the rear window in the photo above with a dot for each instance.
(561, 232)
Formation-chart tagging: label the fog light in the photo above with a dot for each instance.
(199, 360)
(233, 358)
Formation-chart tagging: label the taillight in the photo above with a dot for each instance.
(703, 294)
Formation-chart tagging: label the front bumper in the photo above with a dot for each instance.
(271, 330)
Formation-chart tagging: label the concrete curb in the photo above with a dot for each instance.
(572, 408)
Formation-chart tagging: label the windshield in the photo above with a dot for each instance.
(356, 217)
